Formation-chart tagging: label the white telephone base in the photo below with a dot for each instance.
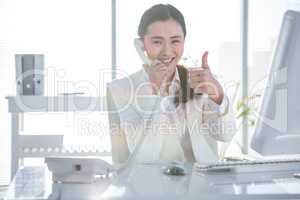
(78, 170)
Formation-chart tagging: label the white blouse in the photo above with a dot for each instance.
(166, 132)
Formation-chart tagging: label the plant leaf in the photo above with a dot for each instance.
(244, 113)
(240, 105)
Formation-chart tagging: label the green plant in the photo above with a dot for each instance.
(247, 107)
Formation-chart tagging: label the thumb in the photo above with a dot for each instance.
(204, 60)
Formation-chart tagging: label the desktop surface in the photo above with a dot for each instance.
(147, 181)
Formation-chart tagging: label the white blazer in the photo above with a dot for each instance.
(187, 132)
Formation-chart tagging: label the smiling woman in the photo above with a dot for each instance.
(169, 99)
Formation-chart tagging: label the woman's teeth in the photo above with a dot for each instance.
(167, 61)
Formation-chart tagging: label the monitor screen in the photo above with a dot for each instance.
(278, 126)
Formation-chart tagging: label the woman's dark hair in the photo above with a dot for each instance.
(160, 12)
(186, 92)
(164, 12)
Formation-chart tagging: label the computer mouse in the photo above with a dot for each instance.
(296, 175)
(175, 170)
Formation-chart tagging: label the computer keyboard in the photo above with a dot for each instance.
(249, 166)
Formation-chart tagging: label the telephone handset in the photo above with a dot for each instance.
(139, 46)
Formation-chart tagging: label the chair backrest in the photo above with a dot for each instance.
(119, 147)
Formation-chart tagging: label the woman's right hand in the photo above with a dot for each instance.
(157, 76)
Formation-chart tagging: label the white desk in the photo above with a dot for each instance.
(148, 182)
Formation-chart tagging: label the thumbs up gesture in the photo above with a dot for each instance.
(202, 81)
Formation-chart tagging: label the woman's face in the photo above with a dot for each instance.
(164, 41)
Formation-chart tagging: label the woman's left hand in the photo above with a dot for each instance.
(202, 81)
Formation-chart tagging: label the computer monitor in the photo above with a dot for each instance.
(278, 126)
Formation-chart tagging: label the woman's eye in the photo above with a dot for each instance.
(157, 42)
(176, 41)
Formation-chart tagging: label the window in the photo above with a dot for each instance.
(209, 27)
(74, 36)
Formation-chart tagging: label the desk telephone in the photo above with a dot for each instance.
(78, 170)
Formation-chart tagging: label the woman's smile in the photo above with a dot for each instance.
(166, 61)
